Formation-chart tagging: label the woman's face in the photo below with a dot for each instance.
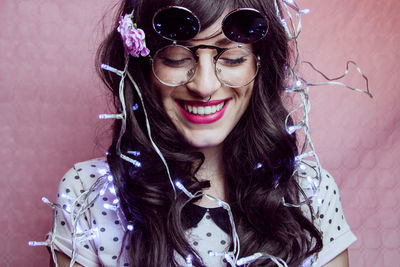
(183, 103)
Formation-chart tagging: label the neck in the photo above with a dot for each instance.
(213, 170)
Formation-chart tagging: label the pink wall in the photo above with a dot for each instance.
(50, 98)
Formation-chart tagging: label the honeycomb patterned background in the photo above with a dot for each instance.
(50, 98)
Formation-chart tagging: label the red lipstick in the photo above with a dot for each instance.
(202, 119)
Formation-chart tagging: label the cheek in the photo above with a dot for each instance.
(245, 99)
(162, 92)
(245, 94)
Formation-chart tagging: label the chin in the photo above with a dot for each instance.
(206, 141)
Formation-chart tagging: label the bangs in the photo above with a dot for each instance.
(208, 11)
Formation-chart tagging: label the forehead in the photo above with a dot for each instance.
(213, 34)
(214, 29)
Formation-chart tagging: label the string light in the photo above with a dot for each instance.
(112, 190)
(230, 259)
(183, 189)
(136, 163)
(76, 213)
(114, 70)
(134, 153)
(259, 165)
(307, 262)
(189, 261)
(292, 129)
(102, 192)
(102, 171)
(110, 207)
(301, 86)
(84, 236)
(214, 254)
(111, 116)
(35, 243)
(46, 201)
(67, 207)
(305, 11)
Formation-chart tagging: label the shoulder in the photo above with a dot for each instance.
(316, 182)
(319, 187)
(87, 192)
(327, 213)
(83, 175)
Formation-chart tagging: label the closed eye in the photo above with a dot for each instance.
(232, 61)
(177, 63)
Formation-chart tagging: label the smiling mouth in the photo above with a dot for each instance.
(203, 110)
(199, 112)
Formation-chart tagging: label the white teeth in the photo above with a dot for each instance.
(201, 110)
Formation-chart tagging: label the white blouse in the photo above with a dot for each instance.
(88, 219)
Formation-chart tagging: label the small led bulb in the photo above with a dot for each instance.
(102, 191)
(102, 171)
(189, 261)
(112, 190)
(179, 185)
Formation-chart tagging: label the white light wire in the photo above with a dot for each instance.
(232, 257)
(123, 74)
(235, 238)
(76, 210)
(301, 86)
(149, 133)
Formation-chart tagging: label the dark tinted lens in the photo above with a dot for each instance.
(245, 26)
(176, 23)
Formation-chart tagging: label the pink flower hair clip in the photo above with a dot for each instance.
(132, 36)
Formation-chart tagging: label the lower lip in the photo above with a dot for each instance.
(204, 119)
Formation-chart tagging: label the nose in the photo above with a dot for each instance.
(204, 82)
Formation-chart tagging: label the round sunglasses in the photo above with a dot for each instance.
(237, 66)
(243, 25)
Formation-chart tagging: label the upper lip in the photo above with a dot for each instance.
(201, 103)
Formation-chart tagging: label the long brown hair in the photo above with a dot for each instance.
(263, 223)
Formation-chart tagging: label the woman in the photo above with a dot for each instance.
(201, 170)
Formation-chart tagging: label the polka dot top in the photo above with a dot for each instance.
(89, 227)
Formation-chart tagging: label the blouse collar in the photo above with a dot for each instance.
(192, 215)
